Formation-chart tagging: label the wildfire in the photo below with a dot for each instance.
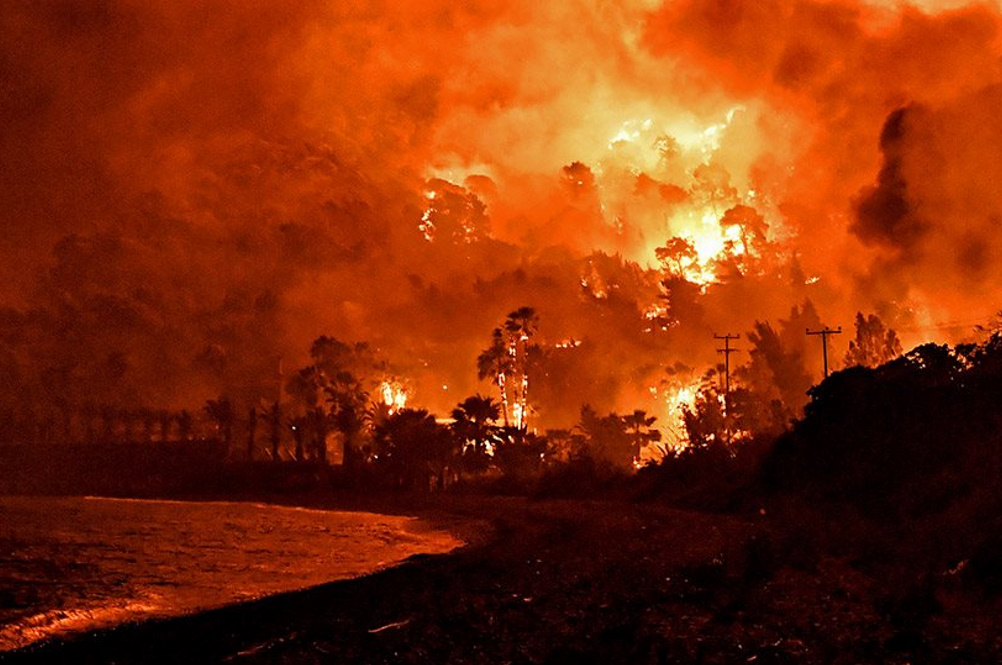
(454, 212)
(677, 395)
(665, 173)
(427, 226)
(393, 394)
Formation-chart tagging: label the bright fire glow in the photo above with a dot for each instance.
(393, 394)
(677, 395)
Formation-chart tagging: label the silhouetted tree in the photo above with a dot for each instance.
(681, 301)
(640, 428)
(676, 257)
(874, 343)
(220, 411)
(751, 227)
(869, 434)
(475, 428)
(776, 368)
(337, 382)
(347, 401)
(414, 447)
(565, 446)
(609, 440)
(251, 431)
(519, 453)
(298, 426)
(275, 429)
(320, 424)
(704, 420)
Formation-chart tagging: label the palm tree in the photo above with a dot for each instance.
(346, 402)
(521, 325)
(474, 427)
(412, 444)
(496, 363)
(638, 426)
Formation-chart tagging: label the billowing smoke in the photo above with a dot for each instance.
(191, 194)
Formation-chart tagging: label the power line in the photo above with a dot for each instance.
(946, 325)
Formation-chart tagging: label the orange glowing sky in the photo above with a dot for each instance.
(190, 191)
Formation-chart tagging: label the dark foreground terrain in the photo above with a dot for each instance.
(577, 582)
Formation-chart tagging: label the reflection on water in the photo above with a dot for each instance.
(70, 564)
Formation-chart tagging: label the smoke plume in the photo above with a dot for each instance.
(190, 194)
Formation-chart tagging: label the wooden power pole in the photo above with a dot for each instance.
(824, 333)
(727, 351)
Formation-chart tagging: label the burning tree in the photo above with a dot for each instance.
(677, 256)
(453, 214)
(750, 227)
(705, 422)
(521, 325)
(494, 362)
(506, 361)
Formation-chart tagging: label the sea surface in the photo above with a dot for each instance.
(75, 564)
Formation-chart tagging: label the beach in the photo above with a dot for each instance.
(76, 564)
(565, 582)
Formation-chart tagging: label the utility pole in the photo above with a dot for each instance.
(727, 351)
(825, 332)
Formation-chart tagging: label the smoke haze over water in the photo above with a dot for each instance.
(189, 193)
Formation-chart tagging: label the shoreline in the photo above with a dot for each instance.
(251, 631)
(64, 615)
(560, 582)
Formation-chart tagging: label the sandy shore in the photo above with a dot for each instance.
(561, 582)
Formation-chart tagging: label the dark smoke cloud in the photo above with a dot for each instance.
(936, 205)
(883, 212)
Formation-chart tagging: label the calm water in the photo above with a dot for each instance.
(71, 564)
